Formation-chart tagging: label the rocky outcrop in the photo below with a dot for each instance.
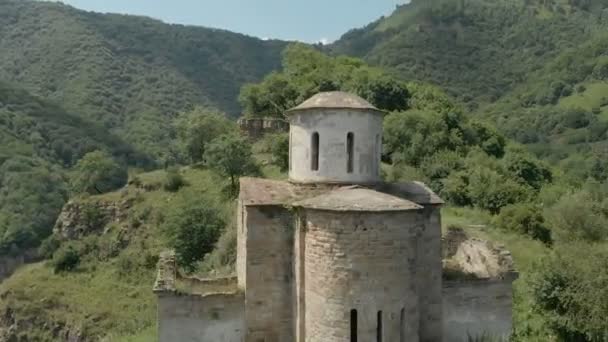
(11, 328)
(82, 217)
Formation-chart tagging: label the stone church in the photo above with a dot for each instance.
(332, 254)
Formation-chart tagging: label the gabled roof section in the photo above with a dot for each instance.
(357, 199)
(335, 100)
(416, 192)
(261, 191)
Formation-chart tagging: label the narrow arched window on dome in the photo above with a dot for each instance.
(350, 149)
(402, 326)
(379, 327)
(314, 156)
(353, 325)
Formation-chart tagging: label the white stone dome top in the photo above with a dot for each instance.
(335, 100)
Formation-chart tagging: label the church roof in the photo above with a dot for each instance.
(357, 199)
(335, 100)
(263, 192)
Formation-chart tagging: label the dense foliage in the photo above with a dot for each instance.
(129, 75)
(97, 173)
(535, 68)
(307, 71)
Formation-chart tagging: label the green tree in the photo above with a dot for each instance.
(231, 155)
(197, 128)
(192, 228)
(279, 148)
(97, 172)
(492, 191)
(527, 169)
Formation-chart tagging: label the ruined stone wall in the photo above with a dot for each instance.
(257, 127)
(217, 318)
(364, 262)
(429, 275)
(269, 274)
(475, 308)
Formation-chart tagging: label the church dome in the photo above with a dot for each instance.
(335, 100)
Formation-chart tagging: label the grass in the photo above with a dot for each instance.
(593, 97)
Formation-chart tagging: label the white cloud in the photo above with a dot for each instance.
(323, 41)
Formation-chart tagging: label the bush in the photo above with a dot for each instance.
(525, 219)
(49, 246)
(570, 288)
(66, 260)
(173, 180)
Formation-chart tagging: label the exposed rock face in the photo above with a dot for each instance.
(80, 218)
(10, 328)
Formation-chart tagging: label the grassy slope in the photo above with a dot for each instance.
(112, 296)
(106, 296)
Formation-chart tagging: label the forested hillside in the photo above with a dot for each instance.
(536, 69)
(130, 75)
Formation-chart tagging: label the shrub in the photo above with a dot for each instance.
(173, 180)
(49, 246)
(525, 219)
(66, 260)
(570, 288)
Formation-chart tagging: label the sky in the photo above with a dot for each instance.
(304, 20)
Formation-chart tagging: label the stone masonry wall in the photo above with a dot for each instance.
(429, 275)
(193, 318)
(364, 262)
(269, 274)
(475, 308)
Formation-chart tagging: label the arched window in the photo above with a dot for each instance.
(379, 327)
(314, 147)
(290, 151)
(378, 151)
(402, 326)
(353, 325)
(350, 149)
